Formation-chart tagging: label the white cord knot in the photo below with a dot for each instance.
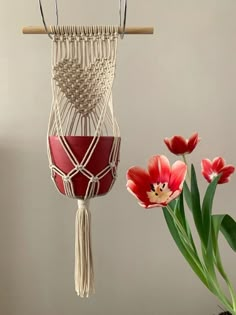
(79, 168)
(112, 164)
(83, 204)
(66, 178)
(94, 179)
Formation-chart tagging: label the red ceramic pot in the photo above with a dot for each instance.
(98, 162)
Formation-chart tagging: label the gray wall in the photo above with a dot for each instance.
(178, 81)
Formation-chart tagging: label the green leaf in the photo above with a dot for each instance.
(192, 259)
(187, 195)
(227, 225)
(173, 203)
(216, 220)
(196, 205)
(217, 223)
(209, 258)
(179, 212)
(207, 209)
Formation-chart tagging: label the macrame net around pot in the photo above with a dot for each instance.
(83, 135)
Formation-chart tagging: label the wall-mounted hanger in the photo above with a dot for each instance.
(122, 30)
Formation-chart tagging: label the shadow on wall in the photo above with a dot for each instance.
(10, 220)
(24, 227)
(35, 230)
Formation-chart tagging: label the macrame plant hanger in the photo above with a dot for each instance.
(83, 134)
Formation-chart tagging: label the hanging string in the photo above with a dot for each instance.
(43, 18)
(123, 23)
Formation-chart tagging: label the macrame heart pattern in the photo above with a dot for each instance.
(84, 87)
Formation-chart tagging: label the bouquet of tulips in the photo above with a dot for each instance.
(174, 188)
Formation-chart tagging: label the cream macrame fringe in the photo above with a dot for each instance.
(84, 275)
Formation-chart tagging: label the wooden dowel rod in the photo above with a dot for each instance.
(128, 30)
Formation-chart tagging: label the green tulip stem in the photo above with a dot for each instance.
(186, 239)
(179, 225)
(225, 276)
(218, 292)
(212, 281)
(188, 173)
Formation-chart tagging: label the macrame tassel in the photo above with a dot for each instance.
(84, 275)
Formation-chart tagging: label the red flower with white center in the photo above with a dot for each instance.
(211, 169)
(180, 146)
(160, 184)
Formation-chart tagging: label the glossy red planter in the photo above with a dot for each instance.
(98, 161)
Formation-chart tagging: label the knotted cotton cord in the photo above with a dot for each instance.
(85, 54)
(83, 69)
(84, 274)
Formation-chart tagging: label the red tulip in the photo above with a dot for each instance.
(160, 184)
(180, 146)
(211, 169)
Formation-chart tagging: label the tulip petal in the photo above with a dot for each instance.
(226, 172)
(168, 144)
(159, 169)
(178, 173)
(141, 196)
(206, 166)
(217, 164)
(179, 145)
(216, 167)
(158, 186)
(206, 169)
(192, 142)
(140, 177)
(154, 205)
(174, 195)
(137, 191)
